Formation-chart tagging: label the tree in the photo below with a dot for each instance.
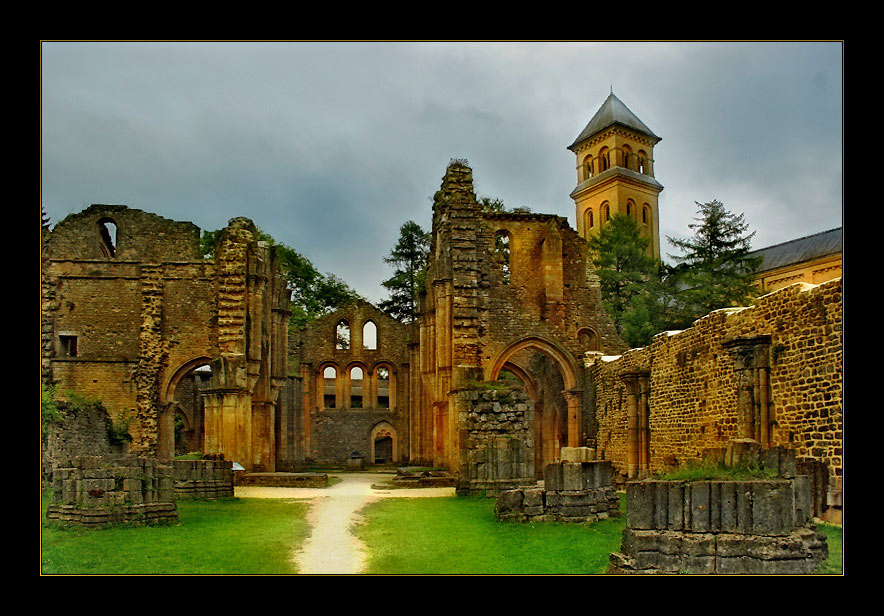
(409, 258)
(715, 270)
(628, 277)
(313, 294)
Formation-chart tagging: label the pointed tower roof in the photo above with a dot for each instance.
(613, 111)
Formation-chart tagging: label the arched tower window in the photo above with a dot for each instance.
(588, 219)
(342, 335)
(606, 211)
(370, 335)
(107, 238)
(502, 251)
(642, 162)
(630, 207)
(587, 167)
(627, 156)
(604, 160)
(646, 215)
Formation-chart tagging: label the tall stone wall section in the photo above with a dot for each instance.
(696, 392)
(497, 437)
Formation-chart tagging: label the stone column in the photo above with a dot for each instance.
(644, 432)
(575, 426)
(632, 424)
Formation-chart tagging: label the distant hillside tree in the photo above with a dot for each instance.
(409, 258)
(715, 270)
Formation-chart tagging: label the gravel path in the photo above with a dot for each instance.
(332, 549)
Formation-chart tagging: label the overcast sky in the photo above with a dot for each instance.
(330, 147)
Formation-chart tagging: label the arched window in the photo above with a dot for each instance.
(369, 335)
(342, 335)
(627, 156)
(606, 211)
(642, 162)
(604, 160)
(588, 339)
(630, 207)
(356, 390)
(646, 215)
(329, 387)
(587, 167)
(383, 379)
(502, 250)
(588, 219)
(107, 238)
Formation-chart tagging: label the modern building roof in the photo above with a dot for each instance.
(613, 111)
(800, 250)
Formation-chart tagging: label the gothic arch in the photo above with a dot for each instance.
(562, 358)
(381, 431)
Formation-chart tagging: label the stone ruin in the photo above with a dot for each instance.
(755, 526)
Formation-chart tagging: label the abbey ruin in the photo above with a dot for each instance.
(199, 356)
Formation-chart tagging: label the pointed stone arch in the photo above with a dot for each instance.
(383, 435)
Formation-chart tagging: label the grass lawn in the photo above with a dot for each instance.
(461, 535)
(228, 536)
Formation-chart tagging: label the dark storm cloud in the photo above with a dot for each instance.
(330, 147)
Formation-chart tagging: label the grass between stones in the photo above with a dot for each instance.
(461, 535)
(228, 536)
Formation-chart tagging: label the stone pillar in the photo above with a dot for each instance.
(644, 432)
(632, 424)
(752, 371)
(229, 424)
(575, 425)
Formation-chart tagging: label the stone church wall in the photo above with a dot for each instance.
(700, 394)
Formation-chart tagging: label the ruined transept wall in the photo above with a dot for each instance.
(126, 313)
(771, 372)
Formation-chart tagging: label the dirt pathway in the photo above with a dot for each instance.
(332, 549)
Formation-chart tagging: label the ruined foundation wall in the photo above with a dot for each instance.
(697, 400)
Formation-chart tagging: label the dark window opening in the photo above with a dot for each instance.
(107, 230)
(68, 346)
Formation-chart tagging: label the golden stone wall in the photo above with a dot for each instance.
(773, 370)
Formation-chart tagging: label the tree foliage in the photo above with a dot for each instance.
(644, 296)
(313, 293)
(715, 269)
(409, 259)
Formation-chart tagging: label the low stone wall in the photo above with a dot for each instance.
(92, 491)
(283, 480)
(497, 441)
(572, 492)
(209, 479)
(726, 527)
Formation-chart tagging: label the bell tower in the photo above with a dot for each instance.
(615, 172)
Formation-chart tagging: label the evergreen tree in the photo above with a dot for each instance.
(409, 258)
(715, 270)
(628, 277)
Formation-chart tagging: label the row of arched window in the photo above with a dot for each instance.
(616, 157)
(589, 219)
(369, 335)
(355, 387)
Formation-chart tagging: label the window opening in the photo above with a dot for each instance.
(107, 230)
(370, 335)
(68, 345)
(356, 381)
(383, 388)
(342, 335)
(502, 249)
(329, 378)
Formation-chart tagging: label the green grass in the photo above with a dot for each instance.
(704, 471)
(461, 535)
(834, 565)
(228, 536)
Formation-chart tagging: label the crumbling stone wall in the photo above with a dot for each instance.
(725, 527)
(497, 440)
(123, 320)
(203, 479)
(96, 491)
(701, 392)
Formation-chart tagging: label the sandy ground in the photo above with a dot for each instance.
(332, 549)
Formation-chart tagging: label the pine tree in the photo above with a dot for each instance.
(715, 270)
(627, 277)
(409, 258)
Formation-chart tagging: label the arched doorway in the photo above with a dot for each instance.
(384, 444)
(552, 376)
(181, 421)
